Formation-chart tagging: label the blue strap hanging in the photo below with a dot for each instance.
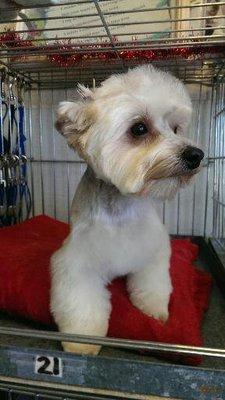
(3, 141)
(20, 151)
(14, 191)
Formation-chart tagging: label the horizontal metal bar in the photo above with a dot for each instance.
(33, 160)
(56, 161)
(88, 80)
(74, 16)
(51, 5)
(151, 44)
(182, 65)
(13, 71)
(47, 5)
(125, 45)
(58, 18)
(147, 22)
(215, 158)
(112, 342)
(46, 79)
(62, 38)
(208, 65)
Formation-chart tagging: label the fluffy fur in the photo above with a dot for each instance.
(115, 229)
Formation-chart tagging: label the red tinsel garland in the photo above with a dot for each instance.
(13, 39)
(96, 52)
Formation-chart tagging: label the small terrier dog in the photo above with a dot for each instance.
(130, 131)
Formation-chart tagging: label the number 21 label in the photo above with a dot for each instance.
(48, 366)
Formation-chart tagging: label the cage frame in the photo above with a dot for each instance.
(16, 364)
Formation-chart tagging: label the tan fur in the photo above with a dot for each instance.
(76, 130)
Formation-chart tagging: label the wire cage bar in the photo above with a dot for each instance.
(188, 21)
(219, 179)
(110, 29)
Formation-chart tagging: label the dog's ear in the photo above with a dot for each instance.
(70, 118)
(73, 120)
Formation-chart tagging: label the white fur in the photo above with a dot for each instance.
(94, 255)
(102, 244)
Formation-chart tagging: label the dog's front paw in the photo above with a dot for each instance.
(152, 304)
(80, 348)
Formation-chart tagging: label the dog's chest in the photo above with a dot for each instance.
(121, 246)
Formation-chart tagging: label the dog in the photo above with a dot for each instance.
(131, 133)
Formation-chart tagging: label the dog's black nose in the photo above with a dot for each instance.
(192, 157)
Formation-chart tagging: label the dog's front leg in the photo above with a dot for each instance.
(150, 288)
(80, 301)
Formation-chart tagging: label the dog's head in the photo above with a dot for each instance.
(131, 131)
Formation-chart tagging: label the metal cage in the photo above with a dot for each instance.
(48, 50)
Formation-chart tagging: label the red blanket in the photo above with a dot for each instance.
(25, 286)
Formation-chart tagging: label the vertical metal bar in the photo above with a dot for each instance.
(9, 118)
(222, 154)
(197, 140)
(178, 213)
(17, 126)
(178, 195)
(41, 142)
(219, 139)
(215, 203)
(30, 136)
(222, 161)
(53, 140)
(68, 165)
(1, 117)
(211, 130)
(20, 204)
(10, 393)
(218, 163)
(214, 168)
(164, 212)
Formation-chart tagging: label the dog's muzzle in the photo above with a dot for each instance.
(192, 157)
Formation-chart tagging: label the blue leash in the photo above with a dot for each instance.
(24, 191)
(4, 147)
(15, 193)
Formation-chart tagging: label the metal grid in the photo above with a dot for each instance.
(116, 28)
(49, 77)
(219, 165)
(101, 11)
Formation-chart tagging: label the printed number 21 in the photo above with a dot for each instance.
(48, 365)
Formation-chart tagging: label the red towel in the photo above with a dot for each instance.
(25, 285)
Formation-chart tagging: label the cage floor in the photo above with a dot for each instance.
(213, 326)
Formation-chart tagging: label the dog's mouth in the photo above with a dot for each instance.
(181, 174)
(185, 175)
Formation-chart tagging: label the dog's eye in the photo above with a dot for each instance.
(175, 129)
(139, 129)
